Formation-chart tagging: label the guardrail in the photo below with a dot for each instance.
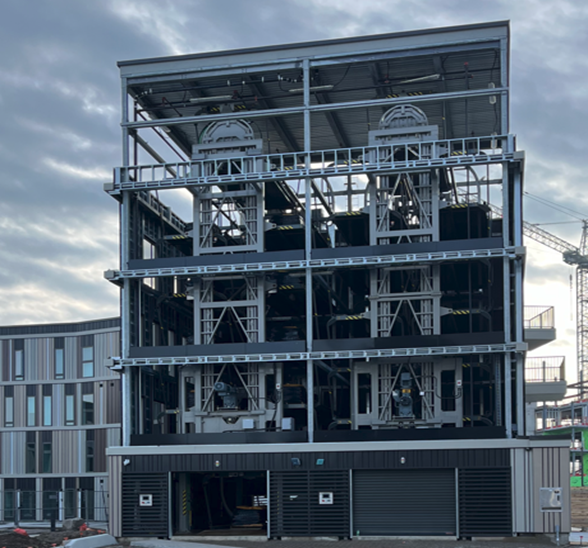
(293, 165)
(539, 317)
(22, 505)
(545, 369)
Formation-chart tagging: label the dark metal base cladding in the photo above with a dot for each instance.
(411, 434)
(335, 460)
(397, 434)
(221, 438)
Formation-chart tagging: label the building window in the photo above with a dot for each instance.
(8, 406)
(87, 361)
(59, 359)
(31, 411)
(89, 450)
(30, 454)
(70, 410)
(19, 360)
(47, 458)
(88, 403)
(47, 419)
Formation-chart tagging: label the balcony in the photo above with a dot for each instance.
(539, 325)
(545, 379)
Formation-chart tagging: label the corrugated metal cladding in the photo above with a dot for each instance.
(485, 502)
(404, 502)
(145, 521)
(39, 356)
(351, 460)
(115, 495)
(551, 469)
(294, 504)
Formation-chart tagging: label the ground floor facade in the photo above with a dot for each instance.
(24, 499)
(457, 489)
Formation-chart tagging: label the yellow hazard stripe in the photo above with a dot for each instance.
(286, 287)
(460, 312)
(179, 295)
(285, 228)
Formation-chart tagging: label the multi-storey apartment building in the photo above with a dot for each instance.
(61, 408)
(329, 339)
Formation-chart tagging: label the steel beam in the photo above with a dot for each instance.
(328, 107)
(436, 351)
(317, 264)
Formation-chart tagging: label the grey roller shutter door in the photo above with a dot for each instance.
(404, 502)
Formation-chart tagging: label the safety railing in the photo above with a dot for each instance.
(333, 162)
(545, 369)
(19, 505)
(539, 317)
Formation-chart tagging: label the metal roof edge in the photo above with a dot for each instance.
(61, 328)
(315, 43)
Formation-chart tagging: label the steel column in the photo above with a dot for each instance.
(307, 254)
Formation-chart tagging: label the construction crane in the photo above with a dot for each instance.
(578, 257)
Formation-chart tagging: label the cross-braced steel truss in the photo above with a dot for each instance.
(405, 301)
(229, 310)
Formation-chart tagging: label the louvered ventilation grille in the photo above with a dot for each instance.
(144, 521)
(485, 502)
(294, 506)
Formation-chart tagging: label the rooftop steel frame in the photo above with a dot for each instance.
(299, 92)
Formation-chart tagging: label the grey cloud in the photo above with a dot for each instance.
(61, 65)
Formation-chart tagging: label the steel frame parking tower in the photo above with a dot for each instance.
(342, 278)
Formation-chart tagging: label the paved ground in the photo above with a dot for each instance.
(519, 542)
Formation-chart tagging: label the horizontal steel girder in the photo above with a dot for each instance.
(326, 163)
(378, 260)
(327, 107)
(327, 355)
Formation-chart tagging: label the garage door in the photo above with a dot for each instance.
(404, 502)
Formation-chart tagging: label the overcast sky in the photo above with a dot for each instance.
(59, 115)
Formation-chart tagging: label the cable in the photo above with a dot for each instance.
(560, 208)
(343, 78)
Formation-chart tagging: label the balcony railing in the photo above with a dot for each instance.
(333, 162)
(539, 317)
(547, 369)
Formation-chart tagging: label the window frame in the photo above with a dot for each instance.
(19, 364)
(47, 452)
(86, 412)
(47, 411)
(8, 405)
(31, 415)
(70, 421)
(59, 373)
(87, 363)
(30, 457)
